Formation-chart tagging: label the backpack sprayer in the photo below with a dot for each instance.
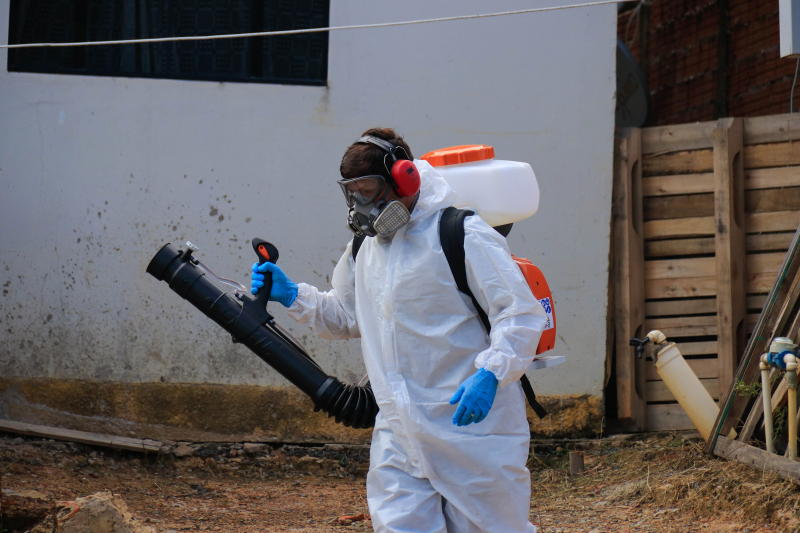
(246, 318)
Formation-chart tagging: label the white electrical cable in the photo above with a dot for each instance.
(311, 30)
(635, 13)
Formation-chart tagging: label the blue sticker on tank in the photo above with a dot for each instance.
(548, 308)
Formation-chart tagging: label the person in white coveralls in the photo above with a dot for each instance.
(451, 440)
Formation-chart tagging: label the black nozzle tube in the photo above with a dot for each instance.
(248, 322)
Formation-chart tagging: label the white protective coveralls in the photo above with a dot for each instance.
(421, 338)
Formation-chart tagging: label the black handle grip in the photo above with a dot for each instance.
(266, 253)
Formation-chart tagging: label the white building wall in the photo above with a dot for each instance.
(97, 173)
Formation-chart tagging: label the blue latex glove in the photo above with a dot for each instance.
(476, 396)
(283, 290)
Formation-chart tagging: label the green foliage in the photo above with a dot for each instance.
(755, 388)
(778, 422)
(748, 390)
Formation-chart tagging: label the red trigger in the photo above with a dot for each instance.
(263, 250)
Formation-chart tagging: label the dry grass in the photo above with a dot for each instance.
(655, 483)
(668, 473)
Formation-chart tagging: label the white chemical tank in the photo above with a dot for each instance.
(502, 191)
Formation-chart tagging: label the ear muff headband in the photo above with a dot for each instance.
(403, 172)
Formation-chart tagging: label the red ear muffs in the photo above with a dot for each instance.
(406, 177)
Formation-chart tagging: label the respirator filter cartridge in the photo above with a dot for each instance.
(393, 217)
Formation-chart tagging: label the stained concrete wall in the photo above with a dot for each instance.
(97, 173)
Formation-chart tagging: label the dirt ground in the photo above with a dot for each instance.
(657, 482)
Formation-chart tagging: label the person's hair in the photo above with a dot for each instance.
(368, 159)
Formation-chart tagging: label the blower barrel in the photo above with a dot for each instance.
(250, 324)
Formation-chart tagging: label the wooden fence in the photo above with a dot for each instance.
(702, 217)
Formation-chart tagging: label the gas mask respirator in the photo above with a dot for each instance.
(370, 214)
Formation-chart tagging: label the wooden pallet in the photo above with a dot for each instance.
(744, 412)
(703, 215)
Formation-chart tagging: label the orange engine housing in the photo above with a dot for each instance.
(541, 291)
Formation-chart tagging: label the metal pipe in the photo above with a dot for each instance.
(791, 381)
(767, 399)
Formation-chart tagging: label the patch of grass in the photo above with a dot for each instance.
(754, 388)
(778, 422)
(748, 390)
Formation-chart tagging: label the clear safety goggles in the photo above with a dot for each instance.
(362, 190)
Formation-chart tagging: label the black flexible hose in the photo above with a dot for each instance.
(249, 323)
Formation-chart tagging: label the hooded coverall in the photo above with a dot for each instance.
(421, 338)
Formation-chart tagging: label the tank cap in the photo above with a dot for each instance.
(459, 154)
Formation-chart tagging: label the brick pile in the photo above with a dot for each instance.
(683, 59)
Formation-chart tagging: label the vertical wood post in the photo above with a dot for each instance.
(729, 247)
(629, 278)
(576, 465)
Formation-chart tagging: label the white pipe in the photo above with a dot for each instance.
(791, 379)
(767, 398)
(684, 385)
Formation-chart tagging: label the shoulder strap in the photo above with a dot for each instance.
(358, 240)
(451, 235)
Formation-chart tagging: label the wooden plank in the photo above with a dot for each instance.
(680, 227)
(793, 331)
(769, 324)
(703, 369)
(628, 264)
(750, 321)
(768, 129)
(706, 286)
(667, 417)
(693, 306)
(678, 247)
(765, 200)
(683, 206)
(702, 205)
(763, 242)
(680, 288)
(763, 263)
(756, 301)
(676, 322)
(759, 459)
(787, 314)
(657, 391)
(704, 226)
(699, 348)
(765, 178)
(763, 156)
(680, 268)
(693, 326)
(682, 162)
(95, 439)
(760, 283)
(679, 137)
(766, 222)
(779, 393)
(679, 184)
(754, 179)
(699, 267)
